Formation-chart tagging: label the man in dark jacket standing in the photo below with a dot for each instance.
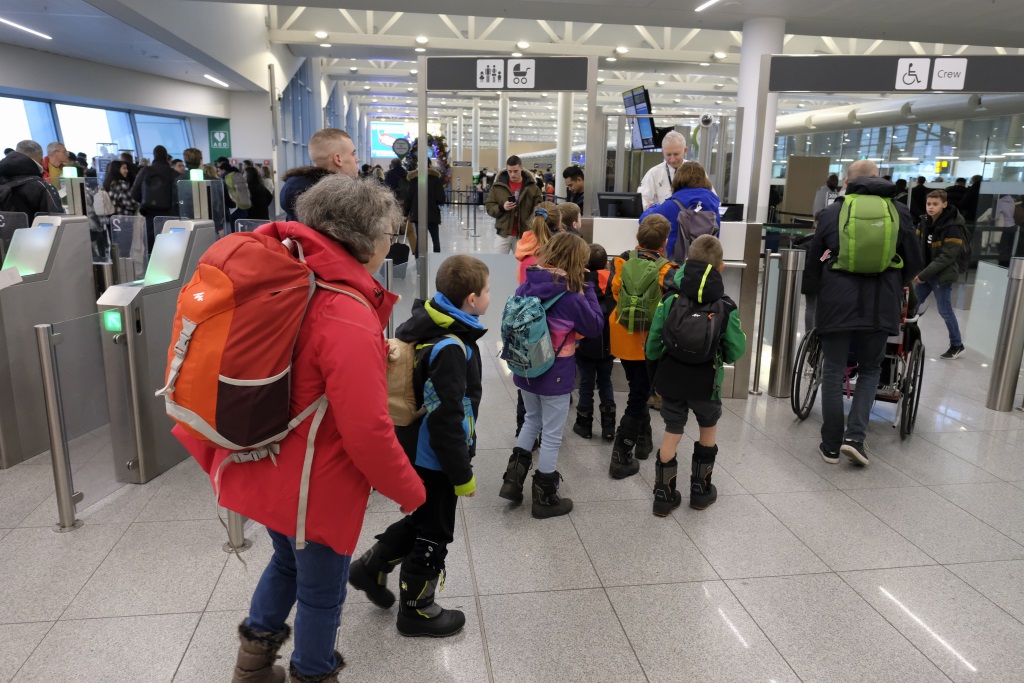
(152, 189)
(397, 180)
(856, 312)
(22, 187)
(332, 151)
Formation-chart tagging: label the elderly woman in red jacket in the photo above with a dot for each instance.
(341, 353)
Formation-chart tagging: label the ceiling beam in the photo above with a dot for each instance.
(292, 19)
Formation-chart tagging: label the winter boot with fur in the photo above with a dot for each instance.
(257, 653)
(623, 464)
(546, 501)
(370, 574)
(515, 475)
(608, 421)
(702, 492)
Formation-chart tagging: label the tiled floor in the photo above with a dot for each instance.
(909, 570)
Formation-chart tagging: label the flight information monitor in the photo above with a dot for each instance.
(638, 101)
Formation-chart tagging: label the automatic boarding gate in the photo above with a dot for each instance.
(47, 277)
(137, 319)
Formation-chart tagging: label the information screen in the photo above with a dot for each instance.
(638, 101)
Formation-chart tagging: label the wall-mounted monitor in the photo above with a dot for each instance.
(638, 101)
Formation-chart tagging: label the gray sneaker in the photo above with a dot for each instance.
(854, 451)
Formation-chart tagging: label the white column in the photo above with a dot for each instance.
(318, 102)
(363, 148)
(503, 110)
(352, 118)
(459, 140)
(475, 149)
(563, 141)
(763, 36)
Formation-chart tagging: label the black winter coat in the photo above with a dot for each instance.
(297, 181)
(848, 302)
(599, 347)
(435, 197)
(153, 188)
(26, 192)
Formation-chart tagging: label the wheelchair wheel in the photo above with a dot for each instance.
(912, 390)
(806, 375)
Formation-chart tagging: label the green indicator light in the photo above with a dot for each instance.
(70, 172)
(196, 174)
(112, 321)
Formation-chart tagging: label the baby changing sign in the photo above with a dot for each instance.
(522, 73)
(490, 73)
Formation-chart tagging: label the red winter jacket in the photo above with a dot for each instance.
(340, 352)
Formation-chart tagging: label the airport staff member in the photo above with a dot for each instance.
(656, 187)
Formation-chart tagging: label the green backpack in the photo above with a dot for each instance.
(869, 229)
(640, 293)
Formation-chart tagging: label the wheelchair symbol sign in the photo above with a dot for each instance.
(912, 74)
(522, 73)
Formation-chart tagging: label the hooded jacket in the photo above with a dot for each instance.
(397, 181)
(153, 188)
(448, 382)
(849, 302)
(526, 253)
(297, 181)
(435, 197)
(571, 316)
(700, 283)
(944, 238)
(23, 189)
(688, 197)
(501, 192)
(341, 353)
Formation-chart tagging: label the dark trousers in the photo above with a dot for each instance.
(836, 347)
(430, 528)
(593, 372)
(639, 388)
(150, 229)
(435, 238)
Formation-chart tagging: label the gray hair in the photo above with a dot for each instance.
(674, 136)
(53, 147)
(30, 148)
(357, 213)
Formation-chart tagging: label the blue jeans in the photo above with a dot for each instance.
(316, 577)
(544, 415)
(944, 302)
(593, 372)
(870, 348)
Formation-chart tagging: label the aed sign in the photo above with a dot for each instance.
(949, 74)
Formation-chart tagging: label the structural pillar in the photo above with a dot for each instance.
(503, 115)
(563, 141)
(762, 36)
(352, 120)
(363, 150)
(459, 140)
(475, 150)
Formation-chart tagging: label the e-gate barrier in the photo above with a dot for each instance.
(137, 321)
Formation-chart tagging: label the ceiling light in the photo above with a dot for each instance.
(320, 35)
(611, 59)
(705, 63)
(325, 44)
(600, 80)
(522, 45)
(421, 49)
(410, 89)
(718, 54)
(353, 69)
(719, 86)
(804, 106)
(718, 102)
(366, 87)
(661, 82)
(215, 80)
(622, 50)
(707, 4)
(374, 100)
(25, 29)
(422, 40)
(517, 54)
(907, 159)
(676, 101)
(543, 94)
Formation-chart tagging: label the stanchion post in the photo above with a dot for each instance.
(791, 268)
(1009, 344)
(237, 542)
(389, 278)
(756, 390)
(46, 341)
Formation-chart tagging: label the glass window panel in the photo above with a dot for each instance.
(170, 131)
(95, 131)
(26, 120)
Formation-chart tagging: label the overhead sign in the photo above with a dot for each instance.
(882, 74)
(493, 73)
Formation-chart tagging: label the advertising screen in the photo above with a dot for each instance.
(384, 133)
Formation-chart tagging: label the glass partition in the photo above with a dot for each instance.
(128, 235)
(986, 308)
(9, 222)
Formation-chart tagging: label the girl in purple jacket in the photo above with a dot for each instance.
(562, 263)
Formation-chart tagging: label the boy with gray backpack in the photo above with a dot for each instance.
(696, 332)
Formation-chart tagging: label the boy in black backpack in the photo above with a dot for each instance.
(696, 333)
(441, 444)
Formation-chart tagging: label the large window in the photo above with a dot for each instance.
(297, 123)
(169, 131)
(96, 132)
(26, 120)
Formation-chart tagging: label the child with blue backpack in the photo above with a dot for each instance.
(543, 366)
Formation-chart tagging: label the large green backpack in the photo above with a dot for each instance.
(640, 293)
(869, 229)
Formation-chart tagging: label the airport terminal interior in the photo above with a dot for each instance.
(904, 564)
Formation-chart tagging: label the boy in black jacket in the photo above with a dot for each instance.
(594, 359)
(441, 444)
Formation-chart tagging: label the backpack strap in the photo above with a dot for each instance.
(553, 300)
(449, 340)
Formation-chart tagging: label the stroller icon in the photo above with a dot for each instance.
(520, 75)
(911, 77)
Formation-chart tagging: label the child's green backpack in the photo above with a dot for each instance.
(640, 293)
(869, 229)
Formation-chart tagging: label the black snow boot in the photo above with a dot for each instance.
(584, 423)
(608, 421)
(623, 464)
(370, 574)
(418, 614)
(702, 492)
(515, 475)
(666, 498)
(546, 501)
(644, 439)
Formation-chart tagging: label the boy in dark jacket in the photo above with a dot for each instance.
(441, 444)
(946, 231)
(685, 385)
(594, 359)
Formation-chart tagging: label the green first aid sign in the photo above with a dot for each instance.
(220, 137)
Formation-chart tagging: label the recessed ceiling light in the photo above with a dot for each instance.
(374, 100)
(414, 71)
(25, 29)
(366, 87)
(718, 102)
(421, 49)
(325, 44)
(522, 45)
(718, 54)
(422, 40)
(215, 80)
(705, 63)
(320, 35)
(719, 86)
(410, 89)
(353, 69)
(622, 50)
(677, 101)
(611, 59)
(661, 82)
(517, 54)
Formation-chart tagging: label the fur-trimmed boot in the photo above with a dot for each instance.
(546, 501)
(608, 421)
(370, 574)
(702, 492)
(623, 464)
(418, 614)
(666, 497)
(328, 677)
(644, 439)
(257, 653)
(584, 424)
(519, 464)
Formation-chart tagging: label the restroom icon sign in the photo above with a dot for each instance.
(490, 73)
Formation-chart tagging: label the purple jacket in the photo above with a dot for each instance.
(573, 313)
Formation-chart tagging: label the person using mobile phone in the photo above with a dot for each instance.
(511, 202)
